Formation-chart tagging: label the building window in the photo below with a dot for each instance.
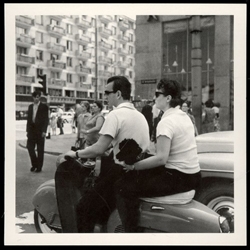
(69, 61)
(131, 50)
(131, 62)
(177, 47)
(39, 72)
(39, 55)
(81, 94)
(21, 70)
(114, 44)
(20, 31)
(55, 92)
(82, 78)
(113, 30)
(69, 45)
(39, 20)
(69, 78)
(54, 39)
(69, 93)
(53, 22)
(23, 89)
(39, 37)
(113, 58)
(54, 57)
(21, 50)
(131, 37)
(69, 29)
(55, 75)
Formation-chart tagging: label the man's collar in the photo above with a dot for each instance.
(126, 105)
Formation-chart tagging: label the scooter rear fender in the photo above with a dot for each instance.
(44, 201)
(192, 217)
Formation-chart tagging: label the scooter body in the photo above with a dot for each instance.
(55, 202)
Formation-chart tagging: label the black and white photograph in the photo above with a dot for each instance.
(129, 126)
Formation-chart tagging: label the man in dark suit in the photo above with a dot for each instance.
(38, 118)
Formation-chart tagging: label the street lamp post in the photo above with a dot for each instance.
(96, 57)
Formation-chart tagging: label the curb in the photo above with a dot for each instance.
(46, 152)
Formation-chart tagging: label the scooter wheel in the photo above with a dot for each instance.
(41, 225)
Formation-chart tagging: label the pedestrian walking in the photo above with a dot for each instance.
(53, 124)
(186, 107)
(37, 122)
(208, 116)
(60, 120)
(216, 109)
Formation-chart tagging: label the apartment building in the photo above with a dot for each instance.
(75, 54)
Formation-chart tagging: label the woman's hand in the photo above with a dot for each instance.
(128, 167)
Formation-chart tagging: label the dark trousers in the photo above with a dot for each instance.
(97, 203)
(33, 142)
(149, 183)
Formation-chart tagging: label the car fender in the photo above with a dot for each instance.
(217, 164)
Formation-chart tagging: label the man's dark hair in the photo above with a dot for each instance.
(121, 83)
(36, 93)
(172, 88)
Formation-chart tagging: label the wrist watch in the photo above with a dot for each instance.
(77, 156)
(87, 131)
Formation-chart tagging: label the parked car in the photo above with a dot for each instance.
(67, 117)
(216, 157)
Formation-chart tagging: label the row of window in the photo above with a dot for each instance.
(53, 92)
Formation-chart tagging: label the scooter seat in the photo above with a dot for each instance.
(180, 198)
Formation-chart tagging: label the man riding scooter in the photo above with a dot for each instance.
(123, 123)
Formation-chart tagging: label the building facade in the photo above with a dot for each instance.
(195, 50)
(74, 54)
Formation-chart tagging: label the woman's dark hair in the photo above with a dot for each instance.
(121, 83)
(172, 88)
(99, 104)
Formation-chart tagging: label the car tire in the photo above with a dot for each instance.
(219, 196)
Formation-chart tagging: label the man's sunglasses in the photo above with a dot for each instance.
(157, 93)
(106, 92)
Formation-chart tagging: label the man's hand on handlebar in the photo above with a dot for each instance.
(71, 154)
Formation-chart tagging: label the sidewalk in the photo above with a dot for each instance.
(57, 144)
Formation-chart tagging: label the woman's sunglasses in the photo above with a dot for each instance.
(157, 93)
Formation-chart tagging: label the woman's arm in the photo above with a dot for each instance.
(162, 152)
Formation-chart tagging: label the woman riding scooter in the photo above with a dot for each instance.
(173, 169)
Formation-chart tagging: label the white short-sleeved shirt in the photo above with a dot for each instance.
(176, 125)
(126, 122)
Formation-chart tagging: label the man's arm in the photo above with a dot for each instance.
(95, 150)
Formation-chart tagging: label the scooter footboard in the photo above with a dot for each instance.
(68, 178)
(192, 217)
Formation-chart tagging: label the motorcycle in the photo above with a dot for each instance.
(55, 201)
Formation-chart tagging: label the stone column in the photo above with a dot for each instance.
(196, 70)
(222, 69)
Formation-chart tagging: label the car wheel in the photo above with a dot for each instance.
(41, 225)
(219, 197)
